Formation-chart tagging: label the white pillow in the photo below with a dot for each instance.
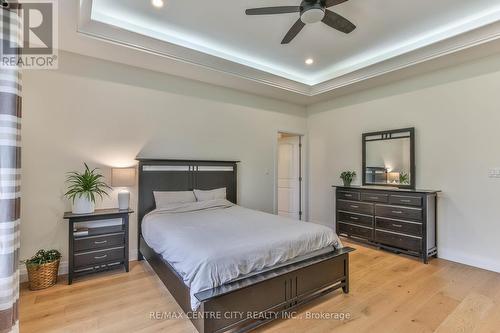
(165, 198)
(219, 193)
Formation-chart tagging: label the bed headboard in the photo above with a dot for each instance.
(182, 175)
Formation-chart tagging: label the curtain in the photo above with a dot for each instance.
(10, 176)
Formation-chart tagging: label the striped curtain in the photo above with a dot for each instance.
(10, 176)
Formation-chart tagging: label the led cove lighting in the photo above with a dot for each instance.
(157, 3)
(309, 61)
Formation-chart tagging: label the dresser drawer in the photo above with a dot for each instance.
(399, 212)
(98, 257)
(405, 200)
(365, 220)
(99, 242)
(399, 241)
(355, 231)
(375, 197)
(355, 207)
(348, 195)
(414, 229)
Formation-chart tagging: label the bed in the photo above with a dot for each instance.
(231, 268)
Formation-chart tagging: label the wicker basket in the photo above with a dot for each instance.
(42, 276)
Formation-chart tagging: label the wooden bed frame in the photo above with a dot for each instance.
(245, 304)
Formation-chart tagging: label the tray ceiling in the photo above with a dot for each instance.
(216, 34)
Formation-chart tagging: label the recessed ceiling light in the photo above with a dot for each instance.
(309, 61)
(157, 3)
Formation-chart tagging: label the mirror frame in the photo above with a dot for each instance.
(388, 135)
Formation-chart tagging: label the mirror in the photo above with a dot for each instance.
(389, 158)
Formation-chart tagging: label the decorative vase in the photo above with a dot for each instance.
(42, 276)
(347, 183)
(82, 205)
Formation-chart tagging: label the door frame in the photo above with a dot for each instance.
(304, 172)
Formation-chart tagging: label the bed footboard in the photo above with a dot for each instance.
(251, 302)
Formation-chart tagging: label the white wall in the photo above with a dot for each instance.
(107, 114)
(456, 113)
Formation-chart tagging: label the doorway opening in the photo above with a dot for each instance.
(290, 184)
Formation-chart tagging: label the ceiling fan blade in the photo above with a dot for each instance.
(338, 22)
(294, 30)
(330, 3)
(273, 10)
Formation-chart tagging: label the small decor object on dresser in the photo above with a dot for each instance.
(84, 188)
(42, 269)
(347, 177)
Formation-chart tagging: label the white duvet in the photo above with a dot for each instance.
(210, 243)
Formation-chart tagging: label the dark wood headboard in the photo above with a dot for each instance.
(182, 175)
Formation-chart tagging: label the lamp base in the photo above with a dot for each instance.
(123, 200)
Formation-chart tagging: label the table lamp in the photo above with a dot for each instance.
(123, 177)
(393, 177)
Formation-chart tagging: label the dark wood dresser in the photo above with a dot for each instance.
(400, 220)
(101, 248)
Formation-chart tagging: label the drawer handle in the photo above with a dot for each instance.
(100, 242)
(354, 218)
(348, 195)
(405, 200)
(397, 225)
(397, 212)
(373, 198)
(354, 206)
(101, 257)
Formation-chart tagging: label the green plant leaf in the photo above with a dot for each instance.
(87, 184)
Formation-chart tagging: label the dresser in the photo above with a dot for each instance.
(400, 220)
(101, 247)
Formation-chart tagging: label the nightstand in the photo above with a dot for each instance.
(101, 247)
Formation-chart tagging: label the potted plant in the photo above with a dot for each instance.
(83, 189)
(42, 269)
(347, 177)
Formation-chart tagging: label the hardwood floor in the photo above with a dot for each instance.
(389, 293)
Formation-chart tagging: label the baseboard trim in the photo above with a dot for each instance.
(462, 258)
(63, 267)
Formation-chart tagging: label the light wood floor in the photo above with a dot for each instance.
(389, 293)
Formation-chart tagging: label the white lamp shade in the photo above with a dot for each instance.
(393, 177)
(122, 177)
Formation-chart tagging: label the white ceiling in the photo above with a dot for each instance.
(213, 51)
(220, 28)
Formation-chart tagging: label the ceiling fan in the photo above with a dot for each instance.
(311, 11)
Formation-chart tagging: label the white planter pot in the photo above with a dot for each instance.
(83, 205)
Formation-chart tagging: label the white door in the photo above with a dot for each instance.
(288, 177)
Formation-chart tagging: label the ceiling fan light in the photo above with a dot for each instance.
(312, 15)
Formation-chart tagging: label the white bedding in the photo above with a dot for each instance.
(213, 242)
